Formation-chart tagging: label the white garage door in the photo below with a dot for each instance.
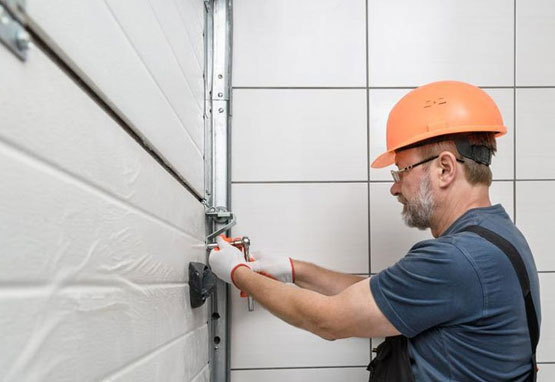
(96, 234)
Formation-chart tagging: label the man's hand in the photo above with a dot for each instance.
(225, 259)
(279, 268)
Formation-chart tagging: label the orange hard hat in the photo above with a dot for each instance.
(439, 108)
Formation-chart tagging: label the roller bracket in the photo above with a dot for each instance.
(201, 283)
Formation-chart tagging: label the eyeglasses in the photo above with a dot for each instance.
(396, 174)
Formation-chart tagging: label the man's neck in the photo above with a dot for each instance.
(456, 205)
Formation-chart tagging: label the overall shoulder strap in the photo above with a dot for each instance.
(520, 269)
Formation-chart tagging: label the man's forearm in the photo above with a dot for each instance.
(299, 307)
(321, 280)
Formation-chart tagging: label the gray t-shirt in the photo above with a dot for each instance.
(459, 301)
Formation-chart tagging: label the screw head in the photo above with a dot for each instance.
(221, 110)
(220, 95)
(22, 39)
(220, 76)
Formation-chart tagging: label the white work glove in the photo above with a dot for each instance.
(225, 260)
(277, 267)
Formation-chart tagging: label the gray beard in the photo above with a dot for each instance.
(418, 212)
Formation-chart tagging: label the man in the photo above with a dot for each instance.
(456, 297)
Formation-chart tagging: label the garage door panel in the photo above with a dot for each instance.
(184, 38)
(72, 133)
(175, 362)
(90, 37)
(56, 228)
(83, 333)
(148, 37)
(192, 13)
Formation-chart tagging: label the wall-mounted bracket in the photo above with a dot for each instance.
(201, 283)
(12, 30)
(221, 216)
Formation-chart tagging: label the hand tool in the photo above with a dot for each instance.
(243, 244)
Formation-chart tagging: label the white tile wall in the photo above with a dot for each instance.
(502, 192)
(299, 43)
(301, 375)
(535, 43)
(323, 223)
(546, 372)
(279, 44)
(313, 135)
(381, 101)
(412, 42)
(535, 134)
(259, 339)
(534, 214)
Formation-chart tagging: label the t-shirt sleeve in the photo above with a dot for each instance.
(434, 284)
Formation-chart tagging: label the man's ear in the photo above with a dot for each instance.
(446, 168)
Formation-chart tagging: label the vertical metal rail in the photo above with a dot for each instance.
(218, 32)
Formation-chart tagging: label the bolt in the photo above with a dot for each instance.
(4, 18)
(221, 109)
(22, 39)
(220, 76)
(220, 95)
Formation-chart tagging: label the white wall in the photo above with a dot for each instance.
(96, 235)
(313, 84)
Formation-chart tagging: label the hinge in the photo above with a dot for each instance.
(12, 27)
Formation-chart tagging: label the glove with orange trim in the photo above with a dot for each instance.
(276, 267)
(225, 259)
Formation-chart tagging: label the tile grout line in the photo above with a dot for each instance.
(298, 367)
(514, 112)
(322, 367)
(378, 87)
(367, 31)
(376, 181)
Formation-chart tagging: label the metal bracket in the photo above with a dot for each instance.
(201, 283)
(12, 30)
(220, 215)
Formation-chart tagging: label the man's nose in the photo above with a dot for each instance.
(395, 189)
